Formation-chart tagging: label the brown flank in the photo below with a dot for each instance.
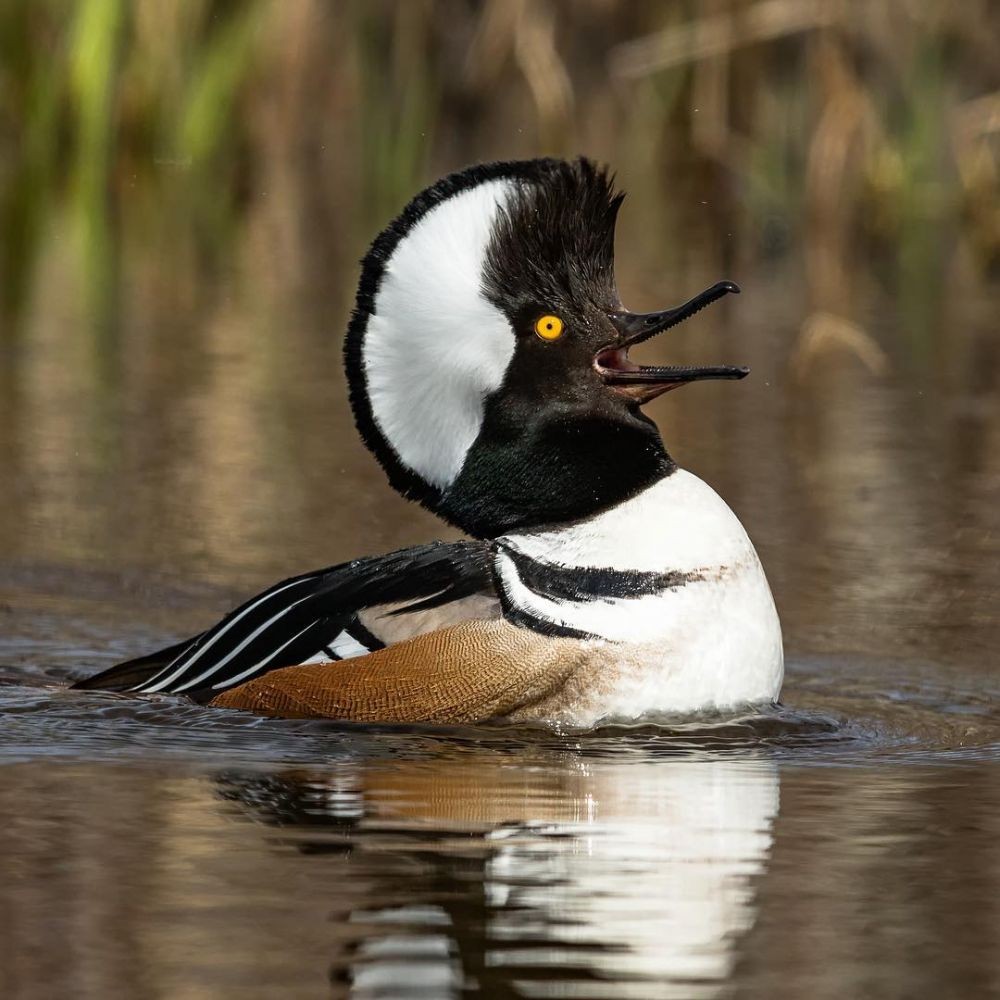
(464, 673)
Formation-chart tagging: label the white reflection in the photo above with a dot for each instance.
(424, 959)
(603, 879)
(658, 876)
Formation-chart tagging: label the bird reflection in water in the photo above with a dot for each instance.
(602, 878)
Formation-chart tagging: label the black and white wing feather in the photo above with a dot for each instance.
(332, 614)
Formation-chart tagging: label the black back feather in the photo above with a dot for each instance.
(297, 618)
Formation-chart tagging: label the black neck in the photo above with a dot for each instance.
(559, 471)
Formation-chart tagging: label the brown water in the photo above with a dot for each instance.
(844, 844)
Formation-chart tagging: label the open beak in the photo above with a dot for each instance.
(641, 383)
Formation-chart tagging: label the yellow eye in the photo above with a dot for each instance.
(549, 327)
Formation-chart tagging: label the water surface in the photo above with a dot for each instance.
(843, 843)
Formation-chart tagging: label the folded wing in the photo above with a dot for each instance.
(333, 614)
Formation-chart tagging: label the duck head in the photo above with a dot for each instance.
(488, 352)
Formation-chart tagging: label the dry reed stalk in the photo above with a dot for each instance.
(718, 35)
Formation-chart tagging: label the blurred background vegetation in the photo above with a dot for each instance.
(812, 122)
(186, 185)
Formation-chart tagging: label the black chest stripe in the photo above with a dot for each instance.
(517, 615)
(588, 583)
(527, 619)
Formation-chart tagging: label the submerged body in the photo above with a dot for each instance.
(489, 372)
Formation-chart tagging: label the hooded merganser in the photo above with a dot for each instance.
(488, 366)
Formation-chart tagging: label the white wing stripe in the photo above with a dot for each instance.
(346, 646)
(267, 659)
(246, 642)
(156, 685)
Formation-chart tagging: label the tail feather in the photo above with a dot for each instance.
(127, 675)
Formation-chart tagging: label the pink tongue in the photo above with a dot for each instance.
(620, 361)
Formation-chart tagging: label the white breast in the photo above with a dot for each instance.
(711, 641)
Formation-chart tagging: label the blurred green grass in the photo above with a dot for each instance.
(817, 126)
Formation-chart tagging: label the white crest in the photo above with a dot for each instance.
(435, 347)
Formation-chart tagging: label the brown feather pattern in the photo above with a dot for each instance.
(464, 673)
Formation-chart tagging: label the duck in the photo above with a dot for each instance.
(489, 373)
